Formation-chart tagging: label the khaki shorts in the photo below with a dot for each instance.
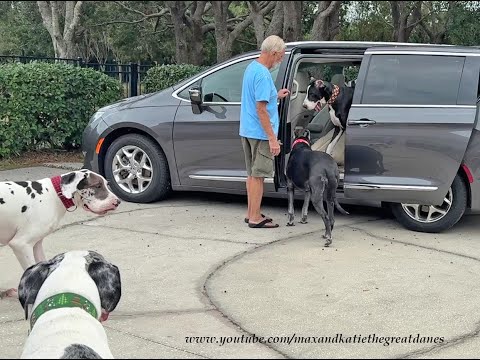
(258, 158)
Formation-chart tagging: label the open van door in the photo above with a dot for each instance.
(410, 123)
(284, 130)
(325, 50)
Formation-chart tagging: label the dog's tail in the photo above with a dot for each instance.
(339, 208)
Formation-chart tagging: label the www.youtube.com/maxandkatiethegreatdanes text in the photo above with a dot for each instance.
(298, 339)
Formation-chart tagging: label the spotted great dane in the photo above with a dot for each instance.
(66, 299)
(30, 210)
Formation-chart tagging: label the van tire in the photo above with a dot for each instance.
(455, 212)
(160, 186)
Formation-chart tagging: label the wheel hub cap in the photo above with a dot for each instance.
(429, 213)
(132, 169)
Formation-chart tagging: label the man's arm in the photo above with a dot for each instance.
(267, 126)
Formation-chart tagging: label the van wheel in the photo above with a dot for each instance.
(137, 169)
(431, 218)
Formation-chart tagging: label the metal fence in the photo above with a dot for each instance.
(131, 75)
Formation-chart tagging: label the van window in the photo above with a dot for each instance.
(224, 85)
(413, 80)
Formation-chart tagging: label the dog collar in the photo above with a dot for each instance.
(297, 141)
(63, 300)
(336, 91)
(68, 203)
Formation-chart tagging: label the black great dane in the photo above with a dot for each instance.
(317, 174)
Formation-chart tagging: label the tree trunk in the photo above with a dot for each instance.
(258, 21)
(258, 15)
(64, 42)
(196, 23)
(224, 44)
(276, 25)
(436, 27)
(327, 21)
(405, 18)
(225, 38)
(292, 26)
(180, 29)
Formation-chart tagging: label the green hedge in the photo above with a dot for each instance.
(49, 105)
(163, 76)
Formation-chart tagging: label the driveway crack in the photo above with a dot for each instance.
(217, 306)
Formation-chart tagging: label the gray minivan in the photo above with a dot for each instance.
(411, 140)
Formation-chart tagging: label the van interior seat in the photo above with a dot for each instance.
(298, 114)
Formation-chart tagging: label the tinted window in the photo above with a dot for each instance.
(413, 80)
(224, 85)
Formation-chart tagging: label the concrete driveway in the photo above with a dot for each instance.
(198, 283)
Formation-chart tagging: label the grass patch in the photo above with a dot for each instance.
(37, 158)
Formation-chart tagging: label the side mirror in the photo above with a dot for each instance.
(196, 99)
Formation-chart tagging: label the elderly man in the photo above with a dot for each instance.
(259, 126)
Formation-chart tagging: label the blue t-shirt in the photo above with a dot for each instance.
(257, 85)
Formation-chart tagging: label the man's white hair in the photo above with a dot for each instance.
(273, 43)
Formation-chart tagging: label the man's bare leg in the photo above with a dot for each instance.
(248, 197)
(256, 195)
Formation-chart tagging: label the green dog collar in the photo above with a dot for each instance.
(63, 300)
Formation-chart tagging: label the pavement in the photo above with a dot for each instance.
(198, 283)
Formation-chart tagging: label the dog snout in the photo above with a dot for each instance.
(304, 105)
(117, 202)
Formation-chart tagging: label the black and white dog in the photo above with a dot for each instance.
(317, 174)
(66, 298)
(339, 100)
(30, 210)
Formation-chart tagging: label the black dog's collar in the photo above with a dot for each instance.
(297, 141)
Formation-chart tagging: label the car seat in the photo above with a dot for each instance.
(298, 114)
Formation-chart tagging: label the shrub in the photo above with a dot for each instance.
(49, 105)
(163, 76)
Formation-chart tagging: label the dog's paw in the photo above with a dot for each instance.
(291, 224)
(304, 221)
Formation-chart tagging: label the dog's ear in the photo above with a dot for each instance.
(33, 279)
(72, 182)
(312, 79)
(107, 278)
(319, 84)
(297, 131)
(306, 133)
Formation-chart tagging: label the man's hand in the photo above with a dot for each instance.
(274, 146)
(283, 93)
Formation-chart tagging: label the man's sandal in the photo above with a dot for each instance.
(263, 216)
(266, 224)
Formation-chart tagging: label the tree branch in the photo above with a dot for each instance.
(429, 33)
(420, 20)
(144, 17)
(130, 9)
(330, 9)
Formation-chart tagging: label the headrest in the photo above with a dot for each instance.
(338, 79)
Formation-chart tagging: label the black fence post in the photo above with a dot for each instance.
(133, 79)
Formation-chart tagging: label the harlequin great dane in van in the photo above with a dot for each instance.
(339, 100)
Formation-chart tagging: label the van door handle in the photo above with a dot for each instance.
(362, 121)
